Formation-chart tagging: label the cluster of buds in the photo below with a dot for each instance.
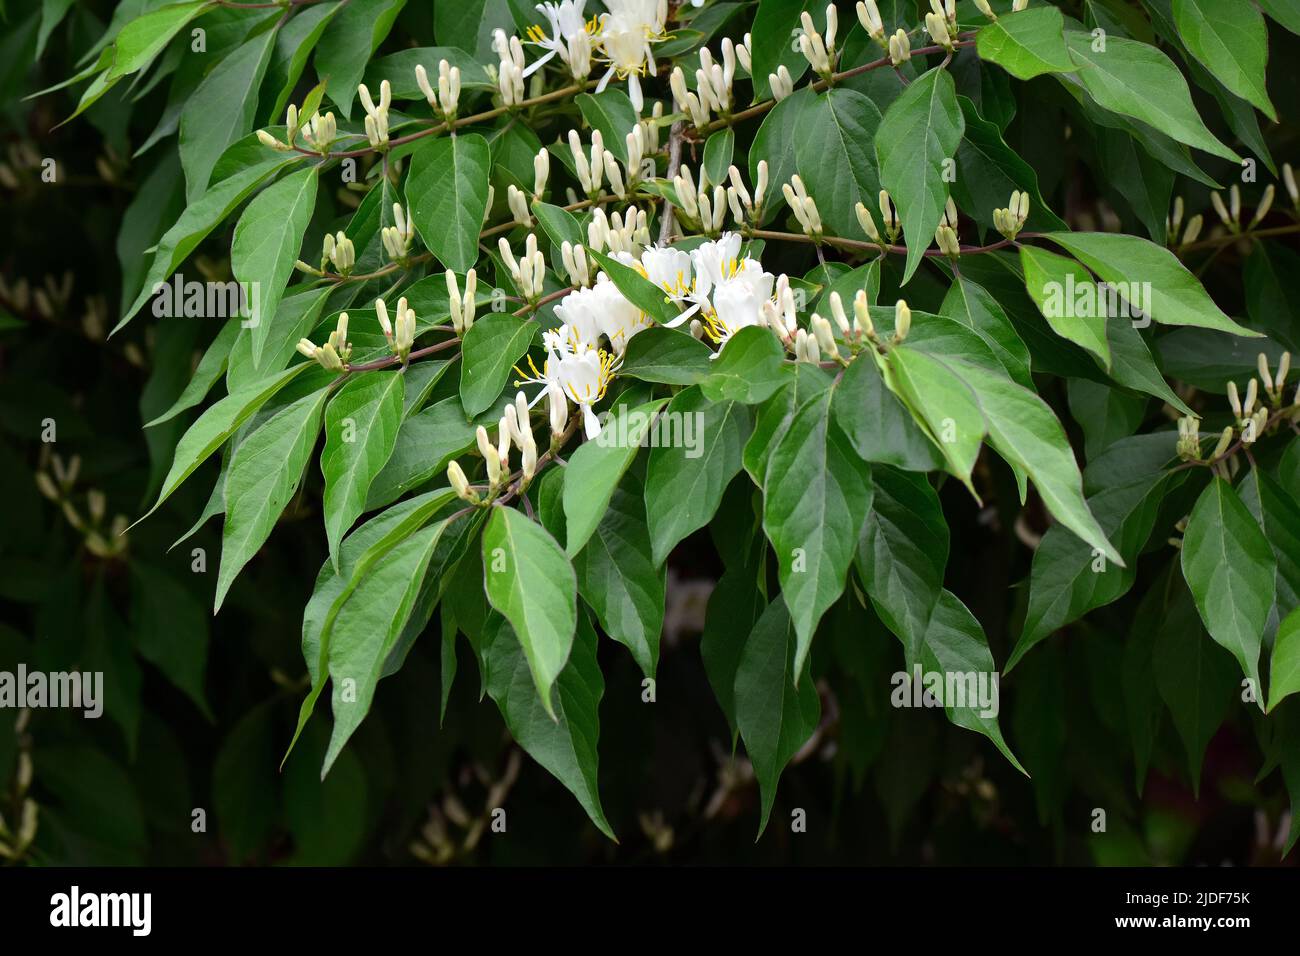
(400, 334)
(1251, 414)
(510, 71)
(337, 251)
(869, 17)
(320, 132)
(1011, 220)
(529, 272)
(697, 205)
(941, 22)
(945, 237)
(627, 233)
(713, 82)
(461, 306)
(590, 170)
(1174, 225)
(1230, 213)
(517, 429)
(747, 208)
(1189, 438)
(376, 115)
(447, 97)
(806, 348)
(803, 206)
(779, 313)
(16, 841)
(819, 51)
(101, 539)
(900, 48)
(1273, 386)
(853, 330)
(636, 143)
(575, 265)
(334, 354)
(397, 238)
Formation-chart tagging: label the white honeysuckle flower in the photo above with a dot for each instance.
(669, 269)
(566, 24)
(579, 311)
(576, 370)
(626, 35)
(616, 317)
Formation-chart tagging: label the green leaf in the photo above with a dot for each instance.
(919, 134)
(718, 150)
(297, 315)
(194, 224)
(264, 474)
(243, 782)
(361, 425)
(902, 553)
(426, 443)
(612, 113)
(446, 191)
(943, 404)
(817, 494)
(346, 47)
(776, 711)
(1232, 41)
(990, 171)
(267, 239)
(1027, 44)
(1284, 665)
(775, 143)
(367, 627)
(833, 136)
(637, 289)
(1056, 285)
(143, 38)
(748, 369)
(877, 423)
(1137, 80)
(735, 605)
(558, 223)
(294, 44)
(222, 110)
(1193, 676)
(1139, 268)
(1229, 567)
(670, 356)
(210, 368)
(1278, 515)
(490, 350)
(562, 740)
(774, 417)
(685, 480)
(970, 304)
(1125, 487)
(529, 579)
(399, 70)
(1287, 13)
(162, 609)
(215, 425)
(598, 466)
(954, 645)
(617, 577)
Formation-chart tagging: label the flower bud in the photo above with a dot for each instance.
(902, 320)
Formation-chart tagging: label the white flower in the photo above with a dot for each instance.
(566, 24)
(669, 269)
(626, 34)
(577, 370)
(738, 303)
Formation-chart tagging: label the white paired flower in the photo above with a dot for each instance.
(461, 307)
(580, 313)
(401, 334)
(321, 131)
(737, 304)
(616, 317)
(397, 238)
(338, 250)
(566, 23)
(575, 370)
(626, 35)
(781, 82)
(669, 269)
(900, 48)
